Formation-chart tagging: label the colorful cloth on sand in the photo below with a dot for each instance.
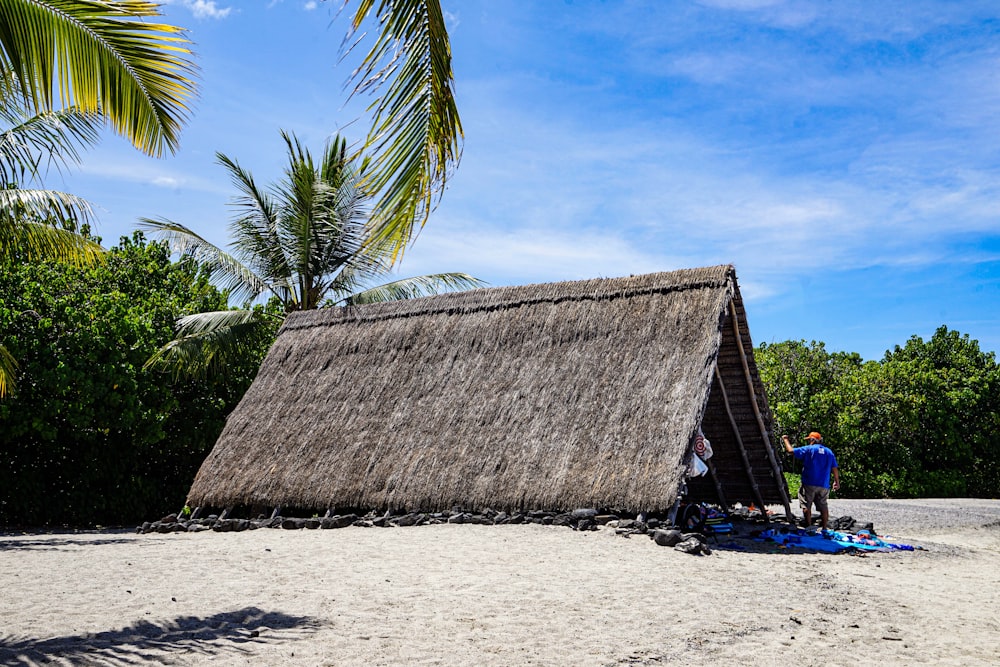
(832, 541)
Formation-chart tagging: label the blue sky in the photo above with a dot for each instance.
(845, 157)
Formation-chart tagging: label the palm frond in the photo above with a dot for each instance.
(53, 137)
(256, 237)
(104, 57)
(208, 343)
(8, 370)
(412, 288)
(416, 132)
(41, 224)
(241, 282)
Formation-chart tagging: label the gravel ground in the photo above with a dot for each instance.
(925, 517)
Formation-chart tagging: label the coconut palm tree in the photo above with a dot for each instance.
(100, 57)
(305, 242)
(416, 132)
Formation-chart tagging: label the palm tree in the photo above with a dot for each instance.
(101, 57)
(416, 132)
(305, 242)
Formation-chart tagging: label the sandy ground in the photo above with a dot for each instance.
(503, 595)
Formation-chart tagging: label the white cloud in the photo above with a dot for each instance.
(138, 170)
(528, 254)
(166, 182)
(203, 9)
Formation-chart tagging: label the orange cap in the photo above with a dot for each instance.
(815, 436)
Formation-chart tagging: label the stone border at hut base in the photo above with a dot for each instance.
(745, 525)
(579, 519)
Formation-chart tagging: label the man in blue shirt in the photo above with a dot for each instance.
(818, 462)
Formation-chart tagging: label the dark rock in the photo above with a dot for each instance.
(666, 538)
(197, 527)
(313, 523)
(363, 523)
(145, 527)
(604, 519)
(653, 524)
(380, 522)
(457, 518)
(564, 520)
(170, 518)
(583, 513)
(341, 521)
(223, 526)
(406, 520)
(695, 536)
(292, 523)
(516, 518)
(585, 524)
(501, 518)
(691, 546)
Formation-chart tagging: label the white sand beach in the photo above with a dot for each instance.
(503, 595)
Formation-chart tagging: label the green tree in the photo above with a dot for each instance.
(799, 378)
(65, 67)
(88, 437)
(38, 223)
(920, 422)
(305, 242)
(946, 412)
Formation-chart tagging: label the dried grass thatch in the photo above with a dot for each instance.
(554, 396)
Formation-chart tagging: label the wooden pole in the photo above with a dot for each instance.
(779, 479)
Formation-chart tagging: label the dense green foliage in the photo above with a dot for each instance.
(920, 422)
(87, 436)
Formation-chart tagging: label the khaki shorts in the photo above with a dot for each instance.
(809, 495)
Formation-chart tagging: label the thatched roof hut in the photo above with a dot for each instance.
(553, 396)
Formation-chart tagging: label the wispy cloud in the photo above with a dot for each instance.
(202, 9)
(129, 169)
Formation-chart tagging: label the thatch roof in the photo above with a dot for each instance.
(553, 396)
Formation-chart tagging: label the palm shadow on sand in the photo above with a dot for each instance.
(180, 640)
(56, 544)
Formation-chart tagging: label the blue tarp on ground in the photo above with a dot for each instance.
(832, 541)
